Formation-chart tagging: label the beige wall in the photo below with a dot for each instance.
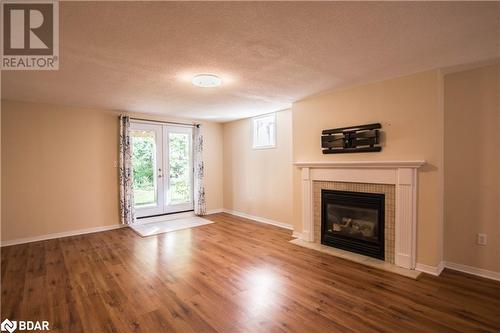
(59, 169)
(259, 181)
(411, 114)
(472, 167)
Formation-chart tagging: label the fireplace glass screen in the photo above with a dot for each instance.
(356, 222)
(353, 221)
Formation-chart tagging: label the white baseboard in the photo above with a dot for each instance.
(259, 219)
(215, 211)
(436, 270)
(432, 270)
(297, 234)
(60, 235)
(474, 271)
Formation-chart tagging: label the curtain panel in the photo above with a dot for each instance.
(127, 215)
(200, 207)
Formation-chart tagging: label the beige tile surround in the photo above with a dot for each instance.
(390, 212)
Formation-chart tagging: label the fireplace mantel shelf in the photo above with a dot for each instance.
(361, 164)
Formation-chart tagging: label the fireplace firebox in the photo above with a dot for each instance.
(353, 221)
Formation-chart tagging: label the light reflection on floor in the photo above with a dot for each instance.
(169, 250)
(174, 249)
(262, 294)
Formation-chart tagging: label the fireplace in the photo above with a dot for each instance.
(353, 221)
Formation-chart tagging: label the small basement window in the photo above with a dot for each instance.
(264, 131)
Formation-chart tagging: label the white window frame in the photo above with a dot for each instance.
(255, 134)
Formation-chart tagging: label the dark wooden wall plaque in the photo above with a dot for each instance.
(354, 139)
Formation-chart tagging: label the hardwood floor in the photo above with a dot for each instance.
(231, 276)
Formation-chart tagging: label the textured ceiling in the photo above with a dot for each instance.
(139, 56)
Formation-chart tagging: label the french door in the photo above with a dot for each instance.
(162, 160)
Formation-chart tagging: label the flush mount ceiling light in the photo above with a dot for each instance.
(206, 80)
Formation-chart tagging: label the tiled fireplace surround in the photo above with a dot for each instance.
(396, 179)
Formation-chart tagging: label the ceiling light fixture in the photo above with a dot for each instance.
(206, 80)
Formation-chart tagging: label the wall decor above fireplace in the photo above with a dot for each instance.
(354, 139)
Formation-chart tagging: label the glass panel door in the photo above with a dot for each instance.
(147, 161)
(162, 159)
(179, 166)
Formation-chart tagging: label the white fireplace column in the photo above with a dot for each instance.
(402, 174)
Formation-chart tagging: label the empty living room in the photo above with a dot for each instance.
(250, 166)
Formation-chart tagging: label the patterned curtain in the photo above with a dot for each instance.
(127, 215)
(200, 207)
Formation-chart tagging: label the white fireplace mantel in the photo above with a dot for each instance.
(402, 174)
(361, 164)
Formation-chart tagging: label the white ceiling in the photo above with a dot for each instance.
(138, 56)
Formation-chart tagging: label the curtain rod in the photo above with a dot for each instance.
(164, 122)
